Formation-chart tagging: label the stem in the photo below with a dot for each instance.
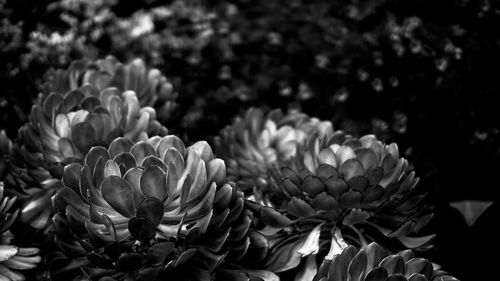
(362, 239)
(337, 245)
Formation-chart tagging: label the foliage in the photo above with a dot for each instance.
(288, 92)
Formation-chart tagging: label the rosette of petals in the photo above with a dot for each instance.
(133, 200)
(61, 130)
(150, 85)
(339, 191)
(256, 141)
(373, 263)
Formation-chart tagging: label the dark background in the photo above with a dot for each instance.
(422, 73)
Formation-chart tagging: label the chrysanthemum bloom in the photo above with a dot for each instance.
(13, 259)
(254, 143)
(148, 209)
(61, 130)
(335, 190)
(152, 88)
(373, 263)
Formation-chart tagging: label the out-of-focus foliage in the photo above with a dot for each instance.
(13, 259)
(384, 58)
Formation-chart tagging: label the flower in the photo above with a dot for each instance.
(342, 189)
(150, 208)
(254, 143)
(61, 130)
(13, 258)
(152, 88)
(375, 263)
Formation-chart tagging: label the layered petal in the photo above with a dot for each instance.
(256, 141)
(357, 190)
(157, 194)
(373, 262)
(80, 112)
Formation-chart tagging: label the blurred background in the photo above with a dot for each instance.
(424, 74)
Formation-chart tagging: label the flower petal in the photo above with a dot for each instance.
(153, 182)
(119, 195)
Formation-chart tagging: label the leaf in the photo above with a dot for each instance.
(336, 186)
(300, 208)
(83, 136)
(285, 257)
(415, 242)
(274, 218)
(377, 274)
(367, 157)
(340, 264)
(154, 161)
(312, 185)
(311, 244)
(417, 277)
(153, 182)
(151, 209)
(111, 169)
(308, 271)
(126, 162)
(265, 275)
(66, 148)
(357, 267)
(325, 202)
(7, 252)
(159, 252)
(119, 195)
(421, 266)
(129, 262)
(94, 154)
(350, 198)
(351, 168)
(71, 176)
(396, 277)
(356, 216)
(394, 264)
(216, 169)
(375, 254)
(120, 145)
(471, 210)
(204, 150)
(185, 256)
(141, 228)
(324, 171)
(97, 234)
(169, 142)
(141, 150)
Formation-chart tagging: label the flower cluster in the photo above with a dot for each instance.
(150, 208)
(375, 263)
(79, 113)
(255, 142)
(316, 191)
(95, 187)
